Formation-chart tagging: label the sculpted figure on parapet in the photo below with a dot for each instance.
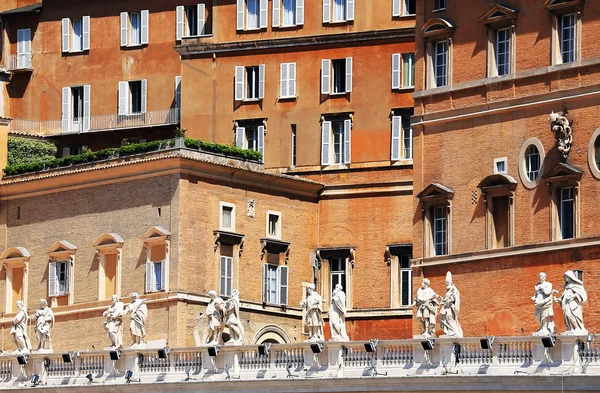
(137, 325)
(337, 314)
(114, 322)
(450, 309)
(544, 312)
(427, 305)
(314, 314)
(571, 300)
(44, 322)
(233, 320)
(215, 311)
(19, 329)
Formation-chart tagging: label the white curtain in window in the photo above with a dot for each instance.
(135, 29)
(289, 11)
(252, 15)
(77, 34)
(339, 10)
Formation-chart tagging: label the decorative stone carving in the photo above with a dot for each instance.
(251, 208)
(571, 301)
(233, 320)
(314, 314)
(544, 312)
(44, 323)
(450, 309)
(337, 315)
(427, 307)
(19, 329)
(561, 127)
(215, 312)
(137, 324)
(114, 322)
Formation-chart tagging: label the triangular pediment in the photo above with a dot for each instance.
(62, 246)
(156, 232)
(499, 13)
(435, 190)
(563, 170)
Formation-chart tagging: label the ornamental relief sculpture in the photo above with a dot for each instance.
(561, 128)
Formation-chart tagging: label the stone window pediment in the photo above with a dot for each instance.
(273, 246)
(437, 27)
(499, 15)
(434, 193)
(15, 256)
(563, 174)
(563, 6)
(61, 249)
(156, 233)
(108, 242)
(497, 183)
(229, 238)
(336, 252)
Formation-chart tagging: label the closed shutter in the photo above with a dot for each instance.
(283, 79)
(163, 275)
(261, 141)
(229, 275)
(66, 36)
(276, 13)
(66, 109)
(283, 284)
(123, 98)
(326, 11)
(145, 20)
(124, 28)
(395, 7)
(86, 108)
(178, 92)
(349, 9)
(292, 79)
(261, 81)
(27, 48)
(144, 95)
(239, 137)
(396, 126)
(325, 76)
(239, 83)
(52, 280)
(86, 33)
(348, 74)
(201, 11)
(265, 283)
(396, 71)
(299, 12)
(264, 14)
(240, 5)
(150, 285)
(179, 11)
(223, 276)
(325, 135)
(347, 139)
(68, 272)
(66, 151)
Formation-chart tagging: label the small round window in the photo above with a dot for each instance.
(532, 162)
(597, 152)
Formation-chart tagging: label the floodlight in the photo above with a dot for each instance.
(35, 379)
(316, 347)
(67, 357)
(428, 344)
(487, 342)
(46, 362)
(581, 345)
(163, 353)
(90, 378)
(114, 355)
(22, 359)
(288, 368)
(371, 345)
(128, 375)
(263, 349)
(548, 341)
(213, 351)
(456, 349)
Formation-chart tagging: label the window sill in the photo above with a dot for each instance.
(404, 88)
(133, 46)
(273, 237)
(288, 27)
(252, 30)
(251, 99)
(439, 10)
(289, 98)
(402, 162)
(333, 167)
(191, 37)
(404, 16)
(338, 22)
(338, 94)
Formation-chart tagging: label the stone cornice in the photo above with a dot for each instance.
(199, 47)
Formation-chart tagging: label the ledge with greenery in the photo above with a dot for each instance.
(24, 163)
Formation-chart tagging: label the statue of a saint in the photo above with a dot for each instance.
(44, 322)
(215, 311)
(314, 314)
(450, 308)
(137, 325)
(544, 312)
(19, 329)
(114, 322)
(571, 301)
(233, 320)
(427, 307)
(337, 314)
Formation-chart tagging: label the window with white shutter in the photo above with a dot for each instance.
(348, 74)
(249, 83)
(52, 280)
(338, 11)
(347, 140)
(396, 71)
(124, 18)
(23, 49)
(252, 14)
(408, 70)
(275, 284)
(144, 33)
(336, 141)
(191, 21)
(133, 97)
(336, 76)
(178, 92)
(396, 124)
(288, 13)
(325, 139)
(66, 109)
(283, 285)
(86, 107)
(325, 76)
(226, 275)
(150, 277)
(250, 134)
(287, 80)
(134, 28)
(402, 135)
(66, 34)
(86, 33)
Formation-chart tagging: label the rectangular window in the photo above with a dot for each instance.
(578, 274)
(336, 142)
(439, 230)
(76, 34)
(252, 14)
(439, 4)
(226, 276)
(132, 97)
(58, 278)
(503, 51)
(500, 165)
(191, 21)
(405, 279)
(293, 145)
(339, 10)
(272, 283)
(135, 97)
(250, 136)
(287, 80)
(566, 211)
(336, 76)
(408, 70)
(158, 273)
(155, 275)
(338, 273)
(227, 216)
(289, 12)
(62, 277)
(23, 49)
(440, 66)
(76, 108)
(338, 68)
(275, 284)
(407, 138)
(135, 29)
(274, 224)
(567, 38)
(77, 43)
(249, 83)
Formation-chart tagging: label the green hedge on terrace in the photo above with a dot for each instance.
(134, 148)
(26, 151)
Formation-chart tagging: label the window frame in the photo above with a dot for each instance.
(497, 161)
(108, 244)
(401, 8)
(439, 5)
(125, 100)
(61, 252)
(157, 237)
(328, 139)
(557, 42)
(68, 35)
(126, 29)
(278, 230)
(329, 12)
(241, 139)
(399, 135)
(328, 77)
(241, 83)
(341, 274)
(15, 258)
(287, 81)
(68, 123)
(435, 195)
(279, 286)
(523, 160)
(226, 278)
(242, 15)
(222, 206)
(436, 64)
(562, 218)
(278, 14)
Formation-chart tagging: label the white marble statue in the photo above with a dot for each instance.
(114, 322)
(337, 314)
(427, 308)
(233, 320)
(571, 301)
(450, 309)
(314, 314)
(137, 325)
(544, 312)
(19, 329)
(215, 311)
(44, 322)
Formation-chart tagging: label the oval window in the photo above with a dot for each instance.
(532, 162)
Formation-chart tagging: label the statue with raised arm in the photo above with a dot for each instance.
(427, 307)
(215, 311)
(19, 329)
(544, 311)
(337, 314)
(450, 309)
(233, 320)
(137, 323)
(314, 314)
(114, 322)
(571, 300)
(44, 323)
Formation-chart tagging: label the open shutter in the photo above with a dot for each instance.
(347, 138)
(349, 9)
(144, 94)
(240, 14)
(86, 108)
(261, 141)
(124, 28)
(265, 287)
(276, 13)
(52, 280)
(292, 79)
(239, 83)
(261, 81)
(66, 109)
(325, 135)
(27, 48)
(283, 79)
(239, 137)
(123, 98)
(201, 12)
(179, 10)
(325, 76)
(178, 92)
(264, 14)
(86, 33)
(163, 275)
(326, 11)
(150, 276)
(68, 272)
(229, 275)
(299, 12)
(283, 284)
(223, 276)
(395, 7)
(66, 30)
(348, 74)
(145, 20)
(396, 71)
(396, 126)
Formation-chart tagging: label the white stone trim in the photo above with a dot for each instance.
(522, 164)
(278, 230)
(232, 206)
(592, 155)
